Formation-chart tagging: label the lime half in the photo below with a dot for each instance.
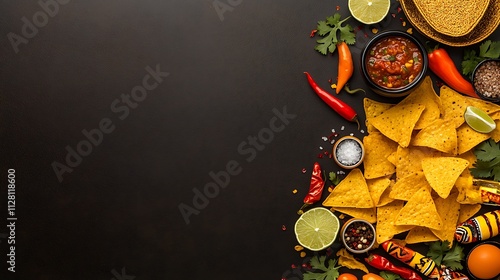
(478, 120)
(369, 11)
(317, 229)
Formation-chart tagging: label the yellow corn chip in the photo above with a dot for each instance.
(449, 210)
(405, 187)
(420, 234)
(467, 211)
(369, 214)
(348, 260)
(454, 105)
(441, 135)
(425, 95)
(398, 122)
(443, 172)
(409, 160)
(495, 134)
(350, 192)
(386, 227)
(420, 211)
(377, 187)
(467, 192)
(372, 109)
(377, 149)
(468, 138)
(469, 156)
(385, 198)
(392, 158)
(486, 106)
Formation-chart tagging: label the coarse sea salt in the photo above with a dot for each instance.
(348, 152)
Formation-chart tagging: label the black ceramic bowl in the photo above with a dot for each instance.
(480, 76)
(386, 91)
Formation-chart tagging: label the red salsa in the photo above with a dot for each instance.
(394, 62)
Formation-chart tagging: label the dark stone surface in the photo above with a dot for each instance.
(230, 75)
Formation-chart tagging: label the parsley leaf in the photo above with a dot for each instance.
(488, 49)
(441, 253)
(334, 178)
(487, 165)
(328, 272)
(330, 28)
(390, 276)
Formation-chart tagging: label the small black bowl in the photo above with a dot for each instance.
(394, 92)
(475, 80)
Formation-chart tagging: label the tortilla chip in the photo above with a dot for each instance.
(467, 192)
(454, 105)
(377, 149)
(372, 109)
(443, 172)
(351, 192)
(441, 135)
(425, 95)
(495, 134)
(468, 138)
(469, 156)
(409, 160)
(420, 210)
(449, 210)
(486, 106)
(348, 260)
(406, 187)
(377, 187)
(385, 198)
(369, 214)
(386, 217)
(392, 158)
(467, 211)
(420, 234)
(398, 122)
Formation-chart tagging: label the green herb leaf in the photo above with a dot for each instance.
(441, 253)
(487, 165)
(488, 49)
(390, 276)
(330, 28)
(334, 178)
(328, 272)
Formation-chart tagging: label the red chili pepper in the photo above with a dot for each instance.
(345, 67)
(382, 263)
(315, 187)
(346, 111)
(443, 66)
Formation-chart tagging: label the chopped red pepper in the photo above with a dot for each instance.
(315, 187)
(313, 32)
(382, 263)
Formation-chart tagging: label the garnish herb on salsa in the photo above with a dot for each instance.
(394, 62)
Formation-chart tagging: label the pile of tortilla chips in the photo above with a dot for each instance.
(416, 175)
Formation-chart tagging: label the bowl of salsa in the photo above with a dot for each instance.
(394, 63)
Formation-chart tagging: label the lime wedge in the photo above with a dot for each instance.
(369, 11)
(478, 120)
(317, 229)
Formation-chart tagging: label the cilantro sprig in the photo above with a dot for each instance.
(441, 253)
(488, 49)
(334, 32)
(390, 276)
(487, 165)
(325, 270)
(334, 178)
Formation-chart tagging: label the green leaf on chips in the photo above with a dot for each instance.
(328, 272)
(487, 165)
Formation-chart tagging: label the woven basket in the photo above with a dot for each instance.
(452, 17)
(485, 27)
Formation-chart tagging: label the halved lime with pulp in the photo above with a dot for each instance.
(317, 229)
(369, 11)
(478, 120)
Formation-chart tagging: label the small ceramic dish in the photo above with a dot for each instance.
(348, 152)
(486, 80)
(358, 235)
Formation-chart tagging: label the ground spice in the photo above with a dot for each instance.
(487, 79)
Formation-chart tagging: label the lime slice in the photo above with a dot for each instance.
(369, 11)
(478, 120)
(317, 229)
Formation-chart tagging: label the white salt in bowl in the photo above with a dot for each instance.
(348, 152)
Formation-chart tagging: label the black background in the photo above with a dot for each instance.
(117, 212)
